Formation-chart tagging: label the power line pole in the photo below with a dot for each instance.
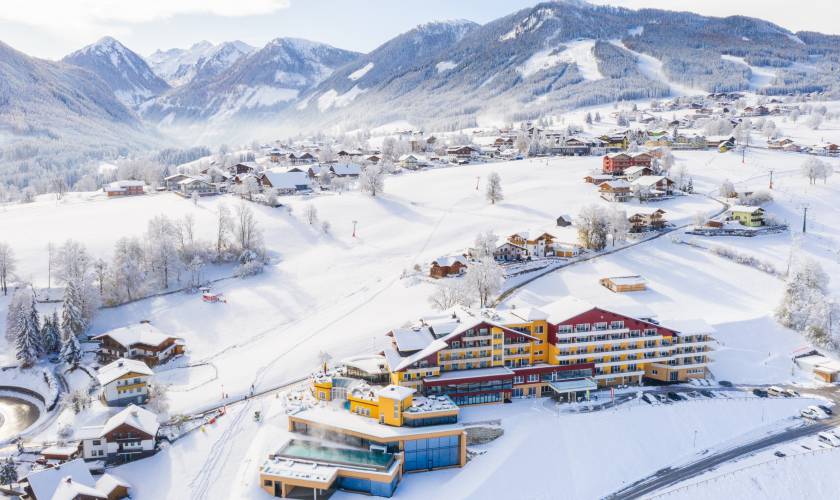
(771, 178)
(804, 219)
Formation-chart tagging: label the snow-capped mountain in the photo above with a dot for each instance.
(203, 60)
(266, 80)
(560, 55)
(123, 71)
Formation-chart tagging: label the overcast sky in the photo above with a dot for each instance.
(53, 28)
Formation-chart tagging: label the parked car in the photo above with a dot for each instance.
(673, 396)
(829, 439)
(650, 399)
(661, 398)
(725, 383)
(792, 393)
(818, 411)
(780, 454)
(812, 412)
(707, 393)
(776, 391)
(760, 393)
(825, 409)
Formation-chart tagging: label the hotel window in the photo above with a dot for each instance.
(533, 377)
(456, 344)
(564, 329)
(616, 325)
(583, 327)
(538, 329)
(518, 379)
(601, 325)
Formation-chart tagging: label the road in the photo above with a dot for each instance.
(670, 476)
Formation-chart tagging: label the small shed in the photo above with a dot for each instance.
(564, 221)
(621, 284)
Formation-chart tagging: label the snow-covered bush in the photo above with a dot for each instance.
(805, 306)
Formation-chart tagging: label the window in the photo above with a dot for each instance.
(564, 329)
(617, 325)
(456, 344)
(533, 377)
(584, 327)
(96, 442)
(538, 329)
(267, 482)
(518, 379)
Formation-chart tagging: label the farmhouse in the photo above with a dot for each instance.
(129, 435)
(140, 341)
(615, 190)
(747, 215)
(462, 154)
(286, 182)
(412, 161)
(448, 266)
(647, 220)
(345, 170)
(509, 252)
(73, 481)
(124, 382)
(125, 188)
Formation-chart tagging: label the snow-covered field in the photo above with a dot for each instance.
(340, 294)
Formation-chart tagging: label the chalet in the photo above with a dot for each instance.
(202, 186)
(462, 154)
(647, 220)
(248, 167)
(345, 170)
(129, 435)
(615, 163)
(124, 382)
(572, 146)
(509, 252)
(615, 190)
(140, 341)
(715, 141)
(286, 182)
(633, 173)
(826, 149)
(621, 284)
(747, 215)
(373, 159)
(171, 182)
(73, 481)
(125, 188)
(779, 143)
(616, 141)
(60, 453)
(653, 186)
(412, 161)
(598, 178)
(275, 155)
(298, 158)
(504, 142)
(448, 266)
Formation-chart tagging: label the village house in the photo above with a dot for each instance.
(509, 252)
(171, 182)
(615, 163)
(124, 382)
(597, 179)
(412, 161)
(615, 190)
(564, 221)
(201, 186)
(73, 481)
(125, 188)
(747, 215)
(284, 182)
(462, 154)
(300, 158)
(633, 173)
(644, 220)
(448, 266)
(129, 435)
(248, 167)
(140, 341)
(275, 155)
(653, 186)
(345, 170)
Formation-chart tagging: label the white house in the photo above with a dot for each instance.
(286, 182)
(125, 381)
(412, 161)
(129, 435)
(73, 480)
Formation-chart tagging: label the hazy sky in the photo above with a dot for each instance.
(53, 28)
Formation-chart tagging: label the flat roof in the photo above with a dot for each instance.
(626, 280)
(298, 449)
(466, 374)
(586, 384)
(341, 419)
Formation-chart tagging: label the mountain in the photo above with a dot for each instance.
(561, 55)
(125, 73)
(203, 60)
(264, 81)
(56, 116)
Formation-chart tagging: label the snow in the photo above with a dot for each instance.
(361, 72)
(331, 98)
(578, 53)
(444, 66)
(264, 95)
(651, 67)
(759, 77)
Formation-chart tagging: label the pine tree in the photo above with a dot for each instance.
(12, 313)
(51, 337)
(8, 472)
(28, 345)
(71, 351)
(72, 315)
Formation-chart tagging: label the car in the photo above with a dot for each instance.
(662, 398)
(650, 399)
(760, 393)
(816, 409)
(725, 383)
(780, 454)
(673, 396)
(707, 393)
(792, 393)
(825, 409)
(813, 413)
(776, 391)
(829, 439)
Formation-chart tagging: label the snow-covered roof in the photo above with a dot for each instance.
(287, 180)
(136, 417)
(373, 363)
(138, 333)
(65, 450)
(346, 169)
(44, 483)
(412, 339)
(417, 158)
(648, 180)
(71, 489)
(627, 280)
(745, 208)
(476, 373)
(529, 314)
(688, 326)
(616, 184)
(396, 392)
(123, 185)
(566, 308)
(108, 483)
(450, 260)
(636, 168)
(120, 367)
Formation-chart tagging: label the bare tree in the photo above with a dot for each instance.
(224, 226)
(494, 188)
(592, 225)
(485, 244)
(372, 180)
(247, 233)
(310, 213)
(619, 226)
(7, 265)
(483, 280)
